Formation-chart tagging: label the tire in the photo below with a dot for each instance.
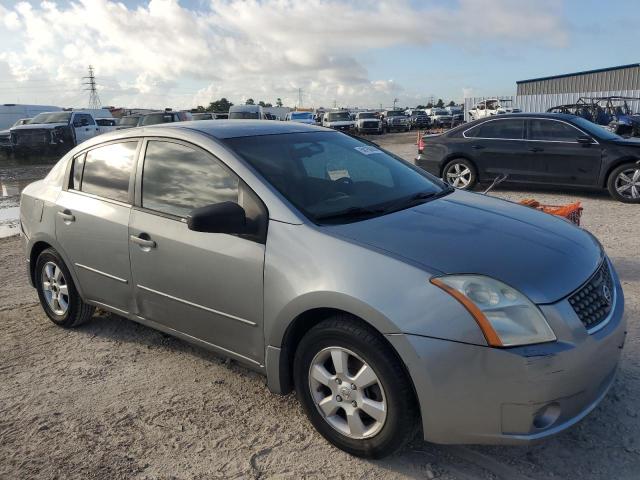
(624, 183)
(52, 279)
(346, 337)
(460, 173)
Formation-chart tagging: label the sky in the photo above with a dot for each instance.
(356, 53)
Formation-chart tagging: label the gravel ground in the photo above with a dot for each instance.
(114, 399)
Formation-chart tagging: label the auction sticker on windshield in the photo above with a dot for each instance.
(368, 150)
(338, 174)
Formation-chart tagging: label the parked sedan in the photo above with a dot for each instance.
(536, 149)
(390, 301)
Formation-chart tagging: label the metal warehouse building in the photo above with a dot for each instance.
(625, 77)
(540, 94)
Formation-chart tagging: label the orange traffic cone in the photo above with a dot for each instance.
(420, 143)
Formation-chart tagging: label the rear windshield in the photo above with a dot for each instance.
(129, 121)
(156, 118)
(302, 115)
(244, 115)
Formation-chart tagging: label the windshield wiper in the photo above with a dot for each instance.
(352, 212)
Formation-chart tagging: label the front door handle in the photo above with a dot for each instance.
(66, 216)
(477, 147)
(143, 242)
(536, 149)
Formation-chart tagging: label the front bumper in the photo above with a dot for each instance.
(480, 395)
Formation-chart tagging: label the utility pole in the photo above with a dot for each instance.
(94, 99)
(299, 98)
(395, 100)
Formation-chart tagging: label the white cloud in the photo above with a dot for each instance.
(161, 53)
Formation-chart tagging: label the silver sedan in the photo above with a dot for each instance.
(392, 303)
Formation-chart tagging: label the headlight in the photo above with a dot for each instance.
(506, 317)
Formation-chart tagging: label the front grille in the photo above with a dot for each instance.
(31, 137)
(593, 302)
(369, 124)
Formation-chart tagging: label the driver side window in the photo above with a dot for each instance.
(177, 179)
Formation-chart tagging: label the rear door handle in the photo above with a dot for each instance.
(66, 216)
(477, 147)
(143, 242)
(536, 149)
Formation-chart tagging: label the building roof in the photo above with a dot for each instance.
(585, 72)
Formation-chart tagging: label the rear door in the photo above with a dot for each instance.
(206, 285)
(557, 157)
(92, 222)
(497, 147)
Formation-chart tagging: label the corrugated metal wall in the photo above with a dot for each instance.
(541, 103)
(627, 78)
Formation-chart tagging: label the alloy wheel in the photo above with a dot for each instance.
(347, 393)
(458, 175)
(55, 288)
(627, 183)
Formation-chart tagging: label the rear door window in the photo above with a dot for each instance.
(552, 131)
(107, 170)
(512, 129)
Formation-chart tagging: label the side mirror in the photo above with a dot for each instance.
(585, 140)
(224, 217)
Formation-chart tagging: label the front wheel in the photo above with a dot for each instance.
(624, 183)
(354, 389)
(460, 173)
(57, 293)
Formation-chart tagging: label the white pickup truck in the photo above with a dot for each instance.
(57, 132)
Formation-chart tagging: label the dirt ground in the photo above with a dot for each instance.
(114, 399)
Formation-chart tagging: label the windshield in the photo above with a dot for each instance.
(339, 116)
(395, 114)
(334, 178)
(367, 115)
(129, 121)
(302, 115)
(595, 130)
(244, 115)
(440, 112)
(202, 116)
(55, 117)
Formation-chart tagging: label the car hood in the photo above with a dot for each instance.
(544, 257)
(39, 126)
(628, 142)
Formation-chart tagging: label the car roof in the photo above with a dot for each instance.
(563, 116)
(222, 129)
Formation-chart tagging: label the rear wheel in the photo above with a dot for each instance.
(460, 173)
(354, 389)
(624, 183)
(58, 295)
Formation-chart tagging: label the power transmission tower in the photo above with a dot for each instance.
(94, 99)
(395, 100)
(299, 97)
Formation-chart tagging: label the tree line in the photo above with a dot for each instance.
(223, 105)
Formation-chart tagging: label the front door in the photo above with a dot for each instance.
(557, 157)
(84, 127)
(92, 223)
(205, 285)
